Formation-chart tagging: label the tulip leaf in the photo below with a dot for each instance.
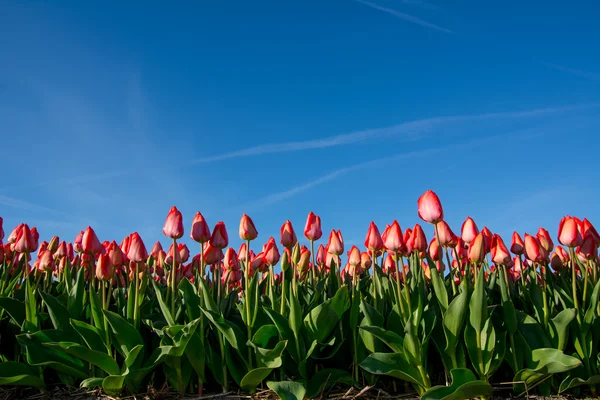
(392, 340)
(532, 331)
(195, 353)
(191, 298)
(91, 383)
(288, 390)
(454, 319)
(161, 303)
(232, 333)
(558, 328)
(19, 374)
(285, 332)
(325, 379)
(14, 308)
(371, 318)
(253, 378)
(540, 364)
(96, 310)
(59, 315)
(478, 304)
(571, 382)
(438, 286)
(464, 386)
(31, 313)
(125, 334)
(75, 300)
(320, 322)
(100, 360)
(90, 335)
(264, 335)
(590, 314)
(394, 365)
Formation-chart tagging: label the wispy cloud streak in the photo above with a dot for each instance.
(577, 72)
(406, 17)
(411, 129)
(24, 205)
(277, 197)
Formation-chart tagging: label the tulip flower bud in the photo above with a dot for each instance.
(354, 257)
(336, 243)
(468, 230)
(231, 262)
(568, 232)
(104, 268)
(389, 265)
(418, 241)
(137, 250)
(53, 245)
(271, 253)
(46, 262)
(288, 236)
(184, 252)
(545, 240)
(321, 255)
(212, 255)
(517, 246)
(446, 237)
(173, 226)
(312, 229)
(247, 229)
(219, 238)
(25, 242)
(430, 207)
(200, 231)
(476, 251)
(365, 261)
(532, 249)
(304, 261)
(500, 254)
(589, 230)
(43, 247)
(296, 254)
(373, 240)
(90, 243)
(434, 250)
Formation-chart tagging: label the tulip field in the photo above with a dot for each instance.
(461, 315)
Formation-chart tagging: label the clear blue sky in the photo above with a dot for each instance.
(112, 112)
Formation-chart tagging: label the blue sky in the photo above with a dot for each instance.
(112, 112)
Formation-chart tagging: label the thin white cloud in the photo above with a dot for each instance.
(577, 72)
(411, 130)
(277, 197)
(24, 205)
(406, 17)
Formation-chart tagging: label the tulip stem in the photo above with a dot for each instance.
(247, 295)
(574, 282)
(136, 298)
(314, 264)
(375, 302)
(173, 273)
(585, 282)
(200, 272)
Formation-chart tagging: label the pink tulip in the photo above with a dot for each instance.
(312, 229)
(430, 207)
(247, 229)
(468, 230)
(200, 231)
(173, 227)
(288, 236)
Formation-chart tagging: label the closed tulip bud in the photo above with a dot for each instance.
(545, 240)
(487, 238)
(312, 229)
(407, 242)
(77, 243)
(90, 243)
(247, 229)
(137, 250)
(114, 252)
(532, 249)
(394, 241)
(156, 249)
(184, 252)
(555, 262)
(476, 251)
(46, 262)
(104, 268)
(430, 207)
(242, 252)
(517, 246)
(434, 250)
(589, 230)
(460, 250)
(331, 260)
(418, 241)
(365, 260)
(36, 237)
(219, 238)
(288, 236)
(568, 232)
(271, 252)
(446, 237)
(1, 230)
(170, 254)
(230, 262)
(304, 262)
(373, 240)
(335, 245)
(212, 255)
(296, 251)
(200, 231)
(25, 243)
(588, 248)
(321, 255)
(562, 254)
(12, 238)
(53, 245)
(125, 244)
(258, 263)
(468, 230)
(43, 247)
(354, 257)
(500, 254)
(173, 226)
(389, 265)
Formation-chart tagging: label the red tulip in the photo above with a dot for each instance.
(104, 268)
(389, 265)
(1, 230)
(460, 250)
(517, 246)
(406, 238)
(46, 261)
(418, 241)
(184, 252)
(312, 229)
(335, 244)
(321, 255)
(125, 245)
(61, 250)
(304, 263)
(242, 252)
(434, 250)
(137, 250)
(354, 257)
(446, 237)
(487, 238)
(247, 229)
(271, 252)
(212, 255)
(219, 238)
(258, 263)
(562, 254)
(500, 254)
(532, 249)
(476, 251)
(90, 243)
(12, 238)
(588, 248)
(373, 240)
(230, 262)
(53, 245)
(555, 261)
(117, 258)
(589, 230)
(36, 236)
(468, 230)
(568, 232)
(288, 236)
(25, 242)
(173, 227)
(200, 231)
(394, 241)
(156, 249)
(43, 247)
(365, 260)
(169, 258)
(430, 207)
(545, 240)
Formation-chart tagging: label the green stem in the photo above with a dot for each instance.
(247, 300)
(574, 283)
(136, 294)
(173, 277)
(374, 282)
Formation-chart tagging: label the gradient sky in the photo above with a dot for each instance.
(112, 112)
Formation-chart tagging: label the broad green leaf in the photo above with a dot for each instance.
(96, 310)
(14, 308)
(91, 383)
(558, 328)
(288, 390)
(59, 316)
(340, 302)
(191, 298)
(464, 386)
(90, 335)
(394, 365)
(371, 318)
(571, 382)
(195, 353)
(392, 340)
(113, 384)
(19, 374)
(264, 335)
(325, 379)
(125, 334)
(231, 332)
(412, 346)
(541, 363)
(253, 378)
(101, 360)
(285, 332)
(295, 320)
(75, 301)
(438, 286)
(161, 303)
(320, 322)
(478, 304)
(454, 319)
(31, 313)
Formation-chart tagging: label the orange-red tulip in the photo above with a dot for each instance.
(90, 243)
(125, 245)
(418, 241)
(312, 229)
(230, 262)
(258, 263)
(517, 246)
(487, 238)
(137, 249)
(373, 240)
(500, 254)
(588, 248)
(156, 249)
(25, 242)
(321, 255)
(46, 262)
(287, 235)
(430, 207)
(43, 247)
(219, 238)
(200, 231)
(532, 249)
(365, 260)
(434, 250)
(271, 252)
(476, 251)
(335, 244)
(389, 265)
(407, 242)
(104, 268)
(184, 252)
(304, 263)
(354, 257)
(247, 229)
(589, 230)
(469, 230)
(562, 254)
(173, 226)
(117, 258)
(446, 237)
(568, 232)
(545, 240)
(394, 241)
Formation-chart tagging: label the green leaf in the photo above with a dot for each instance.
(438, 286)
(31, 313)
(478, 304)
(90, 335)
(340, 302)
(100, 360)
(541, 363)
(295, 320)
(126, 335)
(91, 383)
(571, 382)
(96, 310)
(371, 318)
(113, 384)
(195, 353)
(271, 358)
(464, 386)
(285, 333)
(558, 328)
(231, 332)
(14, 308)
(412, 346)
(325, 379)
(19, 374)
(76, 295)
(392, 340)
(320, 322)
(253, 378)
(454, 319)
(288, 390)
(394, 365)
(161, 303)
(191, 298)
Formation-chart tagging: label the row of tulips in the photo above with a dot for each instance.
(451, 318)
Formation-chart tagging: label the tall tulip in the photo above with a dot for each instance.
(568, 232)
(373, 240)
(430, 207)
(335, 244)
(545, 240)
(418, 241)
(287, 235)
(500, 254)
(468, 230)
(532, 248)
(173, 227)
(90, 243)
(517, 246)
(476, 252)
(25, 242)
(312, 229)
(137, 254)
(445, 235)
(247, 229)
(200, 231)
(219, 238)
